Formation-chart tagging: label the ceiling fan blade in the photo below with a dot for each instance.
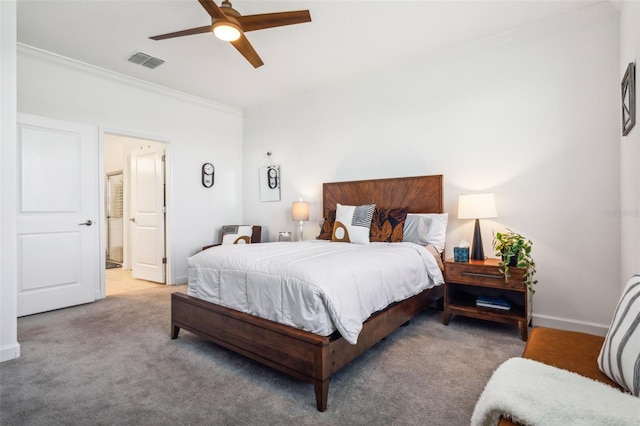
(212, 9)
(246, 49)
(192, 31)
(271, 20)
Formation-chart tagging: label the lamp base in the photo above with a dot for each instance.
(301, 228)
(477, 251)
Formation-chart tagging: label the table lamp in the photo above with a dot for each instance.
(477, 206)
(300, 211)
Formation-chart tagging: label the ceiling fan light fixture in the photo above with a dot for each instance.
(228, 24)
(227, 31)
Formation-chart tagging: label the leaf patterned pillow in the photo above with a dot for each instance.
(327, 225)
(387, 225)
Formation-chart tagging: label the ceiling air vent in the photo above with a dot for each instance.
(145, 60)
(152, 63)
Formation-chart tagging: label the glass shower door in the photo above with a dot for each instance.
(114, 204)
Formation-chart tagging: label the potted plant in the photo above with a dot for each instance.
(515, 251)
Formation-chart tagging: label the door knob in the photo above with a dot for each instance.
(133, 219)
(89, 222)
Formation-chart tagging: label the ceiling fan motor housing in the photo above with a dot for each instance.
(229, 10)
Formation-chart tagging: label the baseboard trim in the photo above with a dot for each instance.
(9, 352)
(180, 281)
(569, 324)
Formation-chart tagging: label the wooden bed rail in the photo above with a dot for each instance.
(300, 354)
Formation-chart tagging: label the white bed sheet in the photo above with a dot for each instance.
(317, 286)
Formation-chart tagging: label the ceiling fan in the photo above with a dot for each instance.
(227, 24)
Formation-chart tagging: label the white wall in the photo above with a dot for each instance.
(630, 147)
(197, 131)
(532, 116)
(114, 153)
(9, 347)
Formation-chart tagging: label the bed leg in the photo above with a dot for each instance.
(322, 393)
(175, 331)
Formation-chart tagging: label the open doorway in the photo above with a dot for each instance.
(135, 225)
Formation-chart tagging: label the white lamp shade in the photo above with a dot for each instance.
(476, 206)
(300, 210)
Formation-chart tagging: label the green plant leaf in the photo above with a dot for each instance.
(509, 244)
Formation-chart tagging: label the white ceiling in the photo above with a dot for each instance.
(345, 38)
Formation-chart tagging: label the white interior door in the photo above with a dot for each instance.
(58, 244)
(147, 213)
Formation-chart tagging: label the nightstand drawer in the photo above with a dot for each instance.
(484, 275)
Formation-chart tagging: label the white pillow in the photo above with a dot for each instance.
(619, 357)
(352, 223)
(416, 229)
(426, 228)
(237, 234)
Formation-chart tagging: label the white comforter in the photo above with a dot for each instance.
(317, 286)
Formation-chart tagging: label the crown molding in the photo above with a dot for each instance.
(40, 54)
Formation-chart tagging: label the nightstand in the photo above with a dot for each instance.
(465, 281)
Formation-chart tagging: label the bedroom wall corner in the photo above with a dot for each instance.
(9, 346)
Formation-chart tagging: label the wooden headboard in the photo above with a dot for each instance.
(422, 194)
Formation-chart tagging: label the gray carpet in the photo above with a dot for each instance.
(113, 363)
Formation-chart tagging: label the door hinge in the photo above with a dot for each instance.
(164, 260)
(164, 158)
(164, 209)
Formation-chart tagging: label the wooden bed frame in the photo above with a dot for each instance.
(301, 354)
